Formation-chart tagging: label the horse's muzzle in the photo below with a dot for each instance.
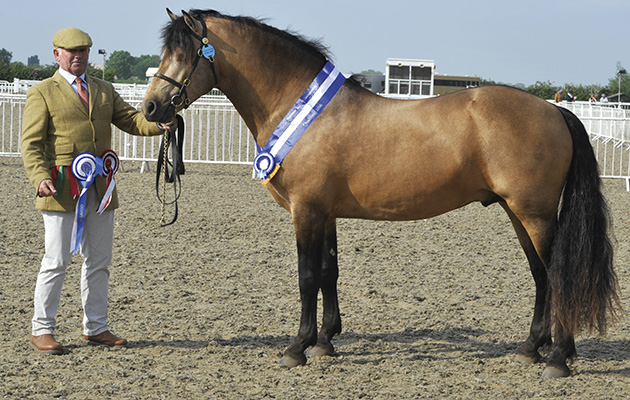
(156, 112)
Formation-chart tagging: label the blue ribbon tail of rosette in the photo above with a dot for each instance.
(85, 167)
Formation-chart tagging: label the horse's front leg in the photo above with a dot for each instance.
(310, 240)
(331, 321)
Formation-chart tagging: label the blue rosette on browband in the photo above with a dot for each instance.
(85, 167)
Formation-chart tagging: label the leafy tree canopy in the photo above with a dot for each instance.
(122, 62)
(5, 57)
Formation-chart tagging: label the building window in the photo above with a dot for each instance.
(399, 72)
(421, 73)
(406, 79)
(426, 88)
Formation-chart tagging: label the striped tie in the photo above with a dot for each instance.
(83, 94)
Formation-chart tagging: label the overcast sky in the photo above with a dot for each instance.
(562, 41)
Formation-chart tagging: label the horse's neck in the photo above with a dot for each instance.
(263, 86)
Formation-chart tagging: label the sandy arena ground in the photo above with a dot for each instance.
(431, 309)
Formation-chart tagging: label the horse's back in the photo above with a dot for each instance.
(412, 159)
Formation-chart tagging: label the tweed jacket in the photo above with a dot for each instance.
(56, 127)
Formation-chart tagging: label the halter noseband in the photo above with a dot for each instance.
(207, 51)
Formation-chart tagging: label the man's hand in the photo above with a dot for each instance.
(46, 188)
(168, 126)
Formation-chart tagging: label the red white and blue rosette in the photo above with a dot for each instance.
(110, 167)
(85, 167)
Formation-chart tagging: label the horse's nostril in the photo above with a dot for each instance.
(150, 107)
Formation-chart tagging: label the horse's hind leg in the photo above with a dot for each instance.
(331, 321)
(540, 329)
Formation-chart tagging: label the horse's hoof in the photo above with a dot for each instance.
(291, 361)
(321, 349)
(556, 372)
(527, 360)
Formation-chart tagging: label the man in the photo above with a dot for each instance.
(65, 116)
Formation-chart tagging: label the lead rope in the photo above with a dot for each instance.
(165, 176)
(176, 142)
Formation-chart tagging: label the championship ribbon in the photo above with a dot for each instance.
(110, 167)
(305, 110)
(85, 167)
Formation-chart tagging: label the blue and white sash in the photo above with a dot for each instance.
(305, 110)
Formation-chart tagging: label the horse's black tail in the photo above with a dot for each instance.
(583, 284)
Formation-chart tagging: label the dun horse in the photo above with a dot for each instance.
(366, 156)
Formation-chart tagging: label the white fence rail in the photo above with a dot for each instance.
(215, 133)
(609, 128)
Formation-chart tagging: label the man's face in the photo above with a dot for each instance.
(74, 61)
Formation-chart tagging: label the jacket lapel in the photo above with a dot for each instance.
(93, 92)
(68, 92)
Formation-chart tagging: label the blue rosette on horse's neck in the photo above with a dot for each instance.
(305, 110)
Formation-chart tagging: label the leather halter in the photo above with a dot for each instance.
(182, 96)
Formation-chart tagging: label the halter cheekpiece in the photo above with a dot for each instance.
(206, 51)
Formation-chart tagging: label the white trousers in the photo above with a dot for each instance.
(96, 250)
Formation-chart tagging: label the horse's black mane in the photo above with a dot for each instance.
(176, 34)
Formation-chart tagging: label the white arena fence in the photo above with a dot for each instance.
(215, 133)
(608, 124)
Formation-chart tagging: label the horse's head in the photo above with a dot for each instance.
(186, 71)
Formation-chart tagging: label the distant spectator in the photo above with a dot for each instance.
(592, 99)
(570, 96)
(558, 97)
(603, 99)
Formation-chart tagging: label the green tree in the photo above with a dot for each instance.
(5, 57)
(122, 62)
(545, 90)
(142, 63)
(20, 71)
(110, 74)
(42, 72)
(95, 72)
(5, 61)
(368, 72)
(617, 79)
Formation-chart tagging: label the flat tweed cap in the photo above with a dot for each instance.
(71, 38)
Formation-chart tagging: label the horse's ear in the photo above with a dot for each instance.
(193, 24)
(170, 14)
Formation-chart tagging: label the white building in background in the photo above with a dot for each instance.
(150, 72)
(409, 78)
(415, 79)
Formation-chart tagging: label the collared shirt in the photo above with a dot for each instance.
(71, 79)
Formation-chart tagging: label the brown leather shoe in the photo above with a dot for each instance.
(107, 338)
(47, 344)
